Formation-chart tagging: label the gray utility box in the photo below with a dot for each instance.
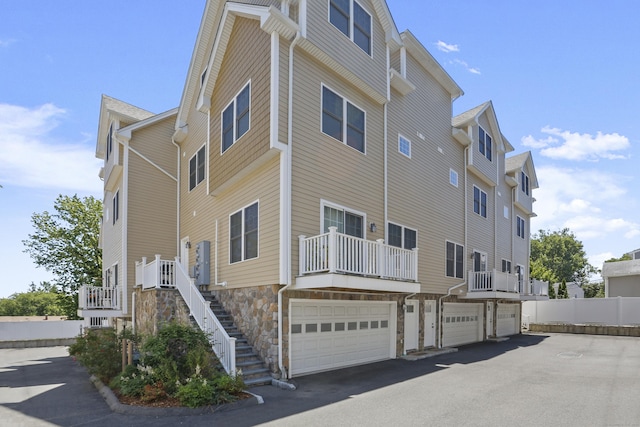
(201, 270)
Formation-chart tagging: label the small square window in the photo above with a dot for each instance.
(453, 178)
(311, 327)
(339, 326)
(364, 325)
(374, 324)
(404, 146)
(325, 327)
(296, 329)
(352, 326)
(384, 324)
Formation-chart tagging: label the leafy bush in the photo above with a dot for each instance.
(175, 352)
(99, 350)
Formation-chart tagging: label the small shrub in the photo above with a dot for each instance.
(196, 391)
(134, 380)
(228, 388)
(99, 350)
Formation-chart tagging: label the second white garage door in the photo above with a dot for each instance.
(508, 319)
(327, 334)
(463, 323)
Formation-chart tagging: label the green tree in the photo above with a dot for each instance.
(45, 300)
(625, 257)
(552, 292)
(66, 244)
(559, 255)
(593, 290)
(563, 293)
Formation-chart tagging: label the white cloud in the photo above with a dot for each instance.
(562, 144)
(446, 47)
(470, 69)
(33, 158)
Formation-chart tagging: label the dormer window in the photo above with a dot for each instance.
(485, 144)
(109, 142)
(353, 21)
(524, 183)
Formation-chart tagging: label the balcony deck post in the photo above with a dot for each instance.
(414, 272)
(381, 261)
(302, 258)
(333, 246)
(157, 267)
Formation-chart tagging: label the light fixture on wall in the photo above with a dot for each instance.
(372, 227)
(187, 245)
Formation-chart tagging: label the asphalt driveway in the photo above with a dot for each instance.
(529, 380)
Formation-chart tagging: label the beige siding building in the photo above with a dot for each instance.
(315, 187)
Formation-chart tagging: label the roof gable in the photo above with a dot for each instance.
(111, 109)
(522, 162)
(471, 117)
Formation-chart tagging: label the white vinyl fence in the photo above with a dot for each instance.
(40, 330)
(619, 311)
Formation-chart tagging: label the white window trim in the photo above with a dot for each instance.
(204, 177)
(235, 136)
(242, 234)
(345, 100)
(326, 203)
(455, 245)
(520, 220)
(525, 186)
(486, 198)
(510, 265)
(485, 144)
(452, 173)
(115, 205)
(401, 137)
(403, 228)
(350, 37)
(483, 255)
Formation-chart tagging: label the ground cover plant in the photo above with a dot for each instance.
(175, 367)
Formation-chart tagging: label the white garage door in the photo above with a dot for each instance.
(462, 324)
(327, 334)
(508, 319)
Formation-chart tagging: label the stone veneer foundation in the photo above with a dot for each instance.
(254, 311)
(156, 306)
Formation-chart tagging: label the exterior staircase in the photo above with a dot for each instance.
(254, 371)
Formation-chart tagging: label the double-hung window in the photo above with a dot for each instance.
(506, 266)
(524, 183)
(479, 202)
(346, 222)
(353, 21)
(342, 120)
(520, 227)
(235, 118)
(401, 237)
(196, 168)
(116, 207)
(485, 144)
(243, 234)
(455, 260)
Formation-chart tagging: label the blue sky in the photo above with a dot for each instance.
(562, 76)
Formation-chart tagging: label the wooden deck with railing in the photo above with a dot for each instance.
(335, 252)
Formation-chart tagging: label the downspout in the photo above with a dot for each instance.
(215, 261)
(466, 196)
(283, 371)
(178, 249)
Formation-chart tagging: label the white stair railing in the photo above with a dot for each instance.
(223, 345)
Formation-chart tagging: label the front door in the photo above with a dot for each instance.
(429, 323)
(489, 317)
(411, 325)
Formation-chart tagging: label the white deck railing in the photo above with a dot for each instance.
(99, 298)
(492, 281)
(171, 274)
(335, 252)
(538, 287)
(156, 274)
